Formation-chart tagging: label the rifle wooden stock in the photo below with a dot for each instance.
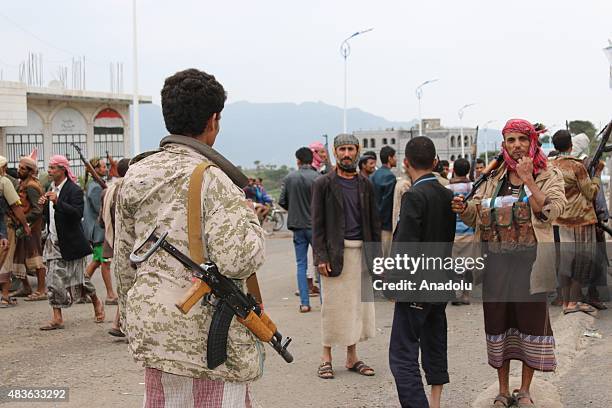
(192, 296)
(261, 326)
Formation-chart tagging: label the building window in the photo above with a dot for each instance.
(19, 145)
(68, 126)
(365, 143)
(452, 141)
(373, 143)
(384, 140)
(466, 140)
(392, 140)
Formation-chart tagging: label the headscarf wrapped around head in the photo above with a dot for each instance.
(3, 161)
(535, 152)
(317, 160)
(59, 160)
(580, 146)
(30, 161)
(342, 140)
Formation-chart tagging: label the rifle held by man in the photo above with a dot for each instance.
(486, 174)
(601, 149)
(89, 168)
(228, 300)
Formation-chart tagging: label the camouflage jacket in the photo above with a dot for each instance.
(154, 194)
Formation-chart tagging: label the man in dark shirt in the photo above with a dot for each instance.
(295, 197)
(425, 221)
(384, 185)
(367, 165)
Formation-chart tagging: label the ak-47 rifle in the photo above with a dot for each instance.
(228, 300)
(89, 168)
(601, 149)
(486, 174)
(474, 153)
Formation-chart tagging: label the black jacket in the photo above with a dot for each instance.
(296, 195)
(426, 227)
(68, 213)
(328, 221)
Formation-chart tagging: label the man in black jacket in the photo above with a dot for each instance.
(426, 225)
(345, 227)
(66, 247)
(295, 197)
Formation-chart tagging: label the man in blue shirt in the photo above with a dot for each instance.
(384, 184)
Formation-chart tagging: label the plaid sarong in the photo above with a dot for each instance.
(164, 390)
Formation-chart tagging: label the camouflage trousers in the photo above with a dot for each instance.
(65, 279)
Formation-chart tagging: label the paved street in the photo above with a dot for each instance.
(100, 372)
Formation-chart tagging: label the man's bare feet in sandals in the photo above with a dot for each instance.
(325, 371)
(523, 399)
(360, 367)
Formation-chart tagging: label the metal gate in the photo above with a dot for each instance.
(19, 145)
(62, 145)
(108, 139)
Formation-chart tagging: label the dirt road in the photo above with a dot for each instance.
(100, 372)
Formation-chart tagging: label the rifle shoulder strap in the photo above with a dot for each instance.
(194, 226)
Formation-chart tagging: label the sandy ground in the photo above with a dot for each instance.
(100, 372)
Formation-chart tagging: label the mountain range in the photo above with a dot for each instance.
(272, 132)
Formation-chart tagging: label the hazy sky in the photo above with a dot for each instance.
(538, 59)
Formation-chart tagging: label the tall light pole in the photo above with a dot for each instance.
(419, 95)
(486, 131)
(345, 51)
(463, 108)
(608, 52)
(135, 120)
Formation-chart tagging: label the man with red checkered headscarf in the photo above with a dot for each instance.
(513, 214)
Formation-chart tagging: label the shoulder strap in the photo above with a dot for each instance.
(194, 213)
(194, 225)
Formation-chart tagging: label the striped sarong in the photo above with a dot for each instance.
(165, 390)
(538, 352)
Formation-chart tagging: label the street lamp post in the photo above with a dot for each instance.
(345, 51)
(463, 108)
(136, 116)
(419, 94)
(486, 130)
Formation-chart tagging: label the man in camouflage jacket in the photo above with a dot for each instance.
(171, 345)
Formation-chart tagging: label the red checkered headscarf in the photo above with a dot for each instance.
(535, 152)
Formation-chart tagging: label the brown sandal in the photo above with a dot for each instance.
(519, 395)
(506, 400)
(36, 296)
(325, 371)
(361, 368)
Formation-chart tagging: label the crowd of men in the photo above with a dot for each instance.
(544, 200)
(350, 213)
(50, 230)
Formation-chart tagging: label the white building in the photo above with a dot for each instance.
(50, 119)
(446, 140)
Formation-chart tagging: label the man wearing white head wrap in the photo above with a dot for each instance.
(580, 146)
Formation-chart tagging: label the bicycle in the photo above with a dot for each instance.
(276, 217)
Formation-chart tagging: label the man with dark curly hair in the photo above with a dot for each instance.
(154, 196)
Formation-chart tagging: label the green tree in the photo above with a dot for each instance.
(582, 126)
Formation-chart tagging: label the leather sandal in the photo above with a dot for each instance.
(325, 371)
(521, 395)
(361, 368)
(506, 400)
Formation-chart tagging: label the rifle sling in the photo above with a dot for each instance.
(194, 226)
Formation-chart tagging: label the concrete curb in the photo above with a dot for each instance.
(570, 344)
